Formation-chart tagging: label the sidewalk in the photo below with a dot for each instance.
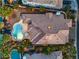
(74, 6)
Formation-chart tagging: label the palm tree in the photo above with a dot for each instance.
(69, 13)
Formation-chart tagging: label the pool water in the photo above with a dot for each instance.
(15, 54)
(1, 20)
(17, 28)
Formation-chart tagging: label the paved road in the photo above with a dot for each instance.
(78, 37)
(78, 31)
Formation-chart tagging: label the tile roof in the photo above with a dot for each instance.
(50, 30)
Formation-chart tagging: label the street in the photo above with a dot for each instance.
(78, 31)
(78, 36)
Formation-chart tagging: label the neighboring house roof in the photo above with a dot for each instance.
(48, 28)
(47, 3)
(54, 55)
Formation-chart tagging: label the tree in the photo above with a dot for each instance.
(69, 13)
(6, 53)
(15, 6)
(0, 2)
(67, 8)
(1, 25)
(1, 55)
(73, 51)
(31, 8)
(1, 44)
(47, 50)
(21, 45)
(6, 38)
(5, 11)
(42, 9)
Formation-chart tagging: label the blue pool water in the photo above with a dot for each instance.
(1, 20)
(15, 54)
(17, 29)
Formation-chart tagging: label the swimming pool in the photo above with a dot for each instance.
(17, 31)
(1, 20)
(38, 3)
(15, 54)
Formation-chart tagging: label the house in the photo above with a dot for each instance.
(47, 28)
(54, 55)
(46, 3)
